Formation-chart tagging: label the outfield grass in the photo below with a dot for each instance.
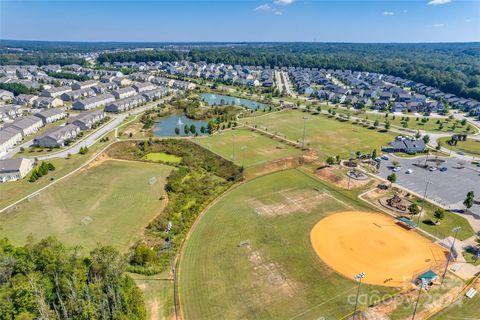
(118, 196)
(250, 148)
(13, 191)
(162, 157)
(328, 136)
(471, 147)
(275, 274)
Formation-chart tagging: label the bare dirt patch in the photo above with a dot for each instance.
(293, 200)
(274, 166)
(270, 275)
(339, 178)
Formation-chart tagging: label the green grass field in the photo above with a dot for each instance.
(250, 148)
(158, 295)
(449, 126)
(471, 147)
(162, 157)
(465, 309)
(274, 273)
(328, 136)
(118, 196)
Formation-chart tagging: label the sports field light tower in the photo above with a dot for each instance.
(358, 278)
(455, 231)
(423, 286)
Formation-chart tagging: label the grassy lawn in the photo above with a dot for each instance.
(163, 157)
(444, 229)
(13, 191)
(328, 136)
(158, 295)
(119, 197)
(453, 126)
(240, 263)
(470, 146)
(250, 148)
(465, 309)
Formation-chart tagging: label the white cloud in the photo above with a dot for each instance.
(284, 2)
(388, 13)
(438, 2)
(267, 8)
(438, 25)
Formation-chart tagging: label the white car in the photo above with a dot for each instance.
(396, 169)
(432, 168)
(409, 171)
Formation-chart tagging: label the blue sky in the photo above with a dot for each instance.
(247, 20)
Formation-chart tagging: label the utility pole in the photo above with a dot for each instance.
(455, 230)
(358, 278)
(233, 152)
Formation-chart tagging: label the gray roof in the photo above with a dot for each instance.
(10, 165)
(24, 123)
(49, 113)
(58, 132)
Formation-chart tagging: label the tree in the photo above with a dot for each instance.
(374, 153)
(376, 123)
(186, 129)
(392, 178)
(193, 129)
(468, 202)
(413, 209)
(426, 139)
(330, 161)
(387, 125)
(439, 214)
(177, 131)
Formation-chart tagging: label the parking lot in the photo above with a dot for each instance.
(448, 188)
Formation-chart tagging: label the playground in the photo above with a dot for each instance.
(390, 255)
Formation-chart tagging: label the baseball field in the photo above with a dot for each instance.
(388, 253)
(250, 255)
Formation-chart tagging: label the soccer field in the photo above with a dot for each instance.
(250, 255)
(250, 148)
(109, 204)
(328, 136)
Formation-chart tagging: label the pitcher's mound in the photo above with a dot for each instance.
(390, 255)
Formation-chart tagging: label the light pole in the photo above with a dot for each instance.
(358, 278)
(304, 130)
(423, 285)
(455, 230)
(233, 145)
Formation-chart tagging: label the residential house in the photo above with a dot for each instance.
(125, 104)
(6, 95)
(143, 86)
(87, 119)
(10, 112)
(9, 137)
(84, 85)
(27, 125)
(57, 136)
(55, 91)
(25, 99)
(14, 169)
(124, 93)
(47, 102)
(154, 94)
(51, 115)
(93, 102)
(78, 94)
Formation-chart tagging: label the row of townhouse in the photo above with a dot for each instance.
(93, 102)
(60, 136)
(125, 104)
(13, 133)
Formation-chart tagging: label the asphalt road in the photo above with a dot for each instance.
(447, 188)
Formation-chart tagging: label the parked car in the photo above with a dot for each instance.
(384, 158)
(443, 169)
(409, 171)
(396, 169)
(378, 159)
(432, 168)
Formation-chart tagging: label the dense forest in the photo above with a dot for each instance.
(46, 280)
(453, 68)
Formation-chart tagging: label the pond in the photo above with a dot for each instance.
(165, 127)
(218, 99)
